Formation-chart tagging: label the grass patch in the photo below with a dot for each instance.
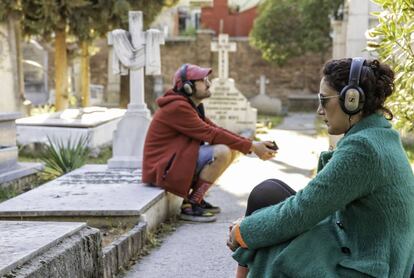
(104, 155)
(9, 191)
(154, 240)
(34, 156)
(269, 121)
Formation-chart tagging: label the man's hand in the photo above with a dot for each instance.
(262, 150)
(232, 243)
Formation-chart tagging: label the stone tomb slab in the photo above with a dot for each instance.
(21, 241)
(93, 194)
(98, 123)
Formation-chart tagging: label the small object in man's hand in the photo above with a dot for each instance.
(274, 146)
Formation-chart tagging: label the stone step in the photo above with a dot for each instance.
(49, 249)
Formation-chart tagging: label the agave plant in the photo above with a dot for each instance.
(61, 158)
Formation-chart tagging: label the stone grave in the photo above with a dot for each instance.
(263, 103)
(96, 195)
(134, 51)
(10, 168)
(49, 249)
(227, 106)
(98, 123)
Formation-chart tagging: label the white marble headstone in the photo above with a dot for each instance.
(263, 103)
(227, 106)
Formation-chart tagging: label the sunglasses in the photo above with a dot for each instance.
(323, 100)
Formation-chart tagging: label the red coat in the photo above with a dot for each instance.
(173, 140)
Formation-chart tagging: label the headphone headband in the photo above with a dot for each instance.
(355, 71)
(184, 73)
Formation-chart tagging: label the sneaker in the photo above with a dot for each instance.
(209, 207)
(193, 212)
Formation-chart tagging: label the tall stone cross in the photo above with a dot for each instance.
(134, 51)
(223, 47)
(262, 82)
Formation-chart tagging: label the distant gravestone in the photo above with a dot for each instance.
(263, 103)
(227, 106)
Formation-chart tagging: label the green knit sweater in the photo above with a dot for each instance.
(354, 219)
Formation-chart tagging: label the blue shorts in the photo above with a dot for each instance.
(205, 157)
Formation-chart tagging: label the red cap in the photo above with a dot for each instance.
(190, 72)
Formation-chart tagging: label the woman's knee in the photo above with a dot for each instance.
(267, 193)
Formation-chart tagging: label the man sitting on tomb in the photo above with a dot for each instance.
(185, 152)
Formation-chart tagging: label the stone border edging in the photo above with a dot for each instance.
(118, 254)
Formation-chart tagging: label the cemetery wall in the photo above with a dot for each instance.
(300, 75)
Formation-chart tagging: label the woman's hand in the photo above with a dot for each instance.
(231, 241)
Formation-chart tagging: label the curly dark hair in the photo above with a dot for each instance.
(377, 82)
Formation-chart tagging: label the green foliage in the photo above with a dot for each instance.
(393, 40)
(61, 158)
(287, 28)
(270, 121)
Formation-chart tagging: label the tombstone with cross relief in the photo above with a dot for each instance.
(264, 103)
(134, 51)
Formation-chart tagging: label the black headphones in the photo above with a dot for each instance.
(352, 97)
(188, 86)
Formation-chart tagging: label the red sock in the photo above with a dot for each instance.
(199, 190)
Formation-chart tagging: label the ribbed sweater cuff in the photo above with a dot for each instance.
(239, 237)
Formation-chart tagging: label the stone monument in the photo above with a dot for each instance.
(263, 103)
(133, 51)
(227, 107)
(10, 169)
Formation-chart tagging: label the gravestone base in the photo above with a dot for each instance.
(228, 107)
(45, 249)
(129, 138)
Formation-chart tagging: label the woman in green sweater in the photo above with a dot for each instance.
(356, 217)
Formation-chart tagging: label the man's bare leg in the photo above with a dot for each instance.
(222, 159)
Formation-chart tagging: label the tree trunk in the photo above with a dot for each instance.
(85, 74)
(19, 61)
(61, 71)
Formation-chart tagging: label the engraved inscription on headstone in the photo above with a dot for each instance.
(108, 177)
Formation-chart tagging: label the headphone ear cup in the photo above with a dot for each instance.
(188, 89)
(352, 100)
